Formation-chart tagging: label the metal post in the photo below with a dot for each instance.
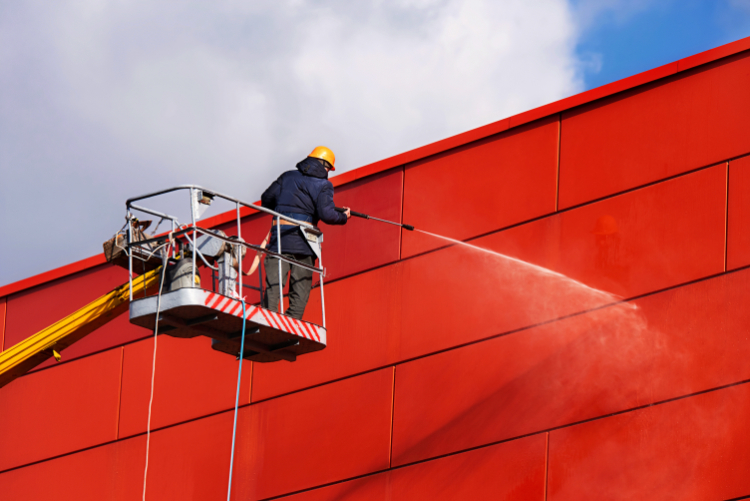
(281, 281)
(173, 246)
(239, 252)
(130, 254)
(322, 297)
(195, 235)
(261, 267)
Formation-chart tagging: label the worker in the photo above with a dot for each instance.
(306, 195)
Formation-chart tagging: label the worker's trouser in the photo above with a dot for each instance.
(299, 286)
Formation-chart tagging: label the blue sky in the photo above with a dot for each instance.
(102, 101)
(657, 33)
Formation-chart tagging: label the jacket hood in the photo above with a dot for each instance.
(313, 167)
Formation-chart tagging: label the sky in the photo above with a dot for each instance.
(101, 101)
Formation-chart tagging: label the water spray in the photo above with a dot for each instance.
(530, 266)
(365, 216)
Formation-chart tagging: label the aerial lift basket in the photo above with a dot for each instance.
(190, 312)
(187, 308)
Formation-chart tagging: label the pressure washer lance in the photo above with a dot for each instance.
(365, 216)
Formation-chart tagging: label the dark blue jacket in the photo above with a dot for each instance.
(305, 194)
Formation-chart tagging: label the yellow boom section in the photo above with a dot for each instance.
(21, 358)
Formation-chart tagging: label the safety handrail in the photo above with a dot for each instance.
(192, 230)
(260, 208)
(233, 241)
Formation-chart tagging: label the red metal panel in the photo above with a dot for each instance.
(482, 187)
(363, 331)
(191, 461)
(49, 276)
(512, 470)
(35, 309)
(314, 437)
(575, 369)
(738, 216)
(112, 472)
(372, 487)
(191, 380)
(60, 410)
(656, 131)
(361, 244)
(689, 449)
(188, 461)
(628, 245)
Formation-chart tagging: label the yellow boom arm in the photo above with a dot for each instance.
(21, 358)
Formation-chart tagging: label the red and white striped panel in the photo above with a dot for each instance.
(265, 317)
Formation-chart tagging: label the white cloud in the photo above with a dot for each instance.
(339, 75)
(105, 100)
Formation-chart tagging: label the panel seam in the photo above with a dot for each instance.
(546, 468)
(252, 382)
(393, 413)
(726, 219)
(119, 393)
(559, 151)
(651, 183)
(403, 197)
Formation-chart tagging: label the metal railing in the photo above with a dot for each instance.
(191, 232)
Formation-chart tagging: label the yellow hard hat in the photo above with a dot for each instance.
(324, 153)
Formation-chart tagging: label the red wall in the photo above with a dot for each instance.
(603, 355)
